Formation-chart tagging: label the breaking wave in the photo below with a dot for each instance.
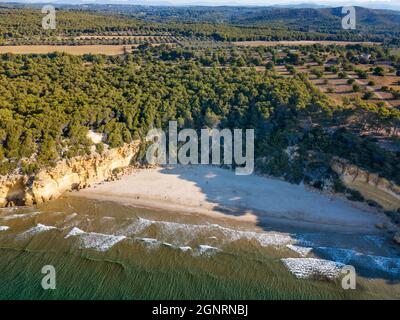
(184, 233)
(92, 240)
(34, 230)
(306, 268)
(351, 257)
(20, 216)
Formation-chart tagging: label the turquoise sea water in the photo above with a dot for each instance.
(102, 250)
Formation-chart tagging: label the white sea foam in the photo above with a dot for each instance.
(182, 233)
(20, 216)
(34, 230)
(305, 268)
(97, 241)
(4, 228)
(135, 228)
(185, 248)
(148, 240)
(154, 243)
(302, 251)
(74, 232)
(347, 256)
(207, 250)
(178, 235)
(168, 245)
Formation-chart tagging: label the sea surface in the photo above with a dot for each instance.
(103, 250)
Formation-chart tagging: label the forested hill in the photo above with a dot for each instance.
(218, 23)
(308, 18)
(320, 18)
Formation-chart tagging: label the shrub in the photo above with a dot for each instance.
(356, 87)
(368, 95)
(385, 88)
(100, 147)
(378, 71)
(361, 74)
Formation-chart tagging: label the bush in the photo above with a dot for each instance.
(379, 71)
(362, 74)
(29, 168)
(269, 65)
(368, 95)
(318, 73)
(100, 147)
(356, 88)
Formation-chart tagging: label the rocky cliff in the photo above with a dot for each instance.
(67, 175)
(370, 185)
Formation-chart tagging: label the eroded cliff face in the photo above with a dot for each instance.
(67, 175)
(370, 185)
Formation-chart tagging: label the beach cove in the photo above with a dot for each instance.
(196, 232)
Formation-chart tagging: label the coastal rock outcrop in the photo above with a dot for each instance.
(75, 173)
(370, 185)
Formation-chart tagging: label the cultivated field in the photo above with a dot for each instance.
(339, 88)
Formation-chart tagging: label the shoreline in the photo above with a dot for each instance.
(219, 193)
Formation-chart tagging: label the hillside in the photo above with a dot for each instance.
(219, 23)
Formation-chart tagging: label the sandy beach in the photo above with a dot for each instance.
(220, 193)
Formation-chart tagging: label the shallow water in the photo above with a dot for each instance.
(102, 250)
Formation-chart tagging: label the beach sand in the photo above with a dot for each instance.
(253, 199)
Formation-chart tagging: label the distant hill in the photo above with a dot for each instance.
(301, 6)
(303, 15)
(372, 24)
(318, 19)
(322, 19)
